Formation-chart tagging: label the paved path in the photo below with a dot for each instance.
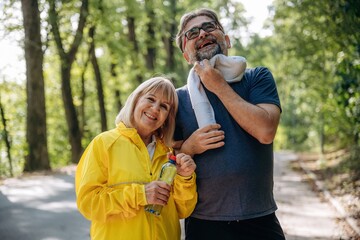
(43, 208)
(302, 214)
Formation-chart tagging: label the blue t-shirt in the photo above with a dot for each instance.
(235, 181)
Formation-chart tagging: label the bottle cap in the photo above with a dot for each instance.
(172, 157)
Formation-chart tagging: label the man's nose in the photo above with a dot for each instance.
(202, 33)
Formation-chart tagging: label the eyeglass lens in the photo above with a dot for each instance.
(195, 31)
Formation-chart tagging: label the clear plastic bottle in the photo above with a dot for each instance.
(167, 174)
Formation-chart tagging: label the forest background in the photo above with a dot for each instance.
(84, 57)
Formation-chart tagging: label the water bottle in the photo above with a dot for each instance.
(167, 174)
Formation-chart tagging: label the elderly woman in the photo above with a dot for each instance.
(117, 174)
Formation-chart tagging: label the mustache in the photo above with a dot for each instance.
(208, 38)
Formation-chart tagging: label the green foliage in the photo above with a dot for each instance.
(348, 93)
(313, 55)
(13, 99)
(314, 83)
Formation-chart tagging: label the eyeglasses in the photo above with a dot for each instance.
(195, 31)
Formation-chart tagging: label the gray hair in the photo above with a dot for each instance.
(191, 15)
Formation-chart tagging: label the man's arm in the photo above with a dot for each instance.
(208, 137)
(260, 121)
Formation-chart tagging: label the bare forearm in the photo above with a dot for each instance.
(260, 120)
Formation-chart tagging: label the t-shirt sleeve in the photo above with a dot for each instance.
(263, 87)
(177, 134)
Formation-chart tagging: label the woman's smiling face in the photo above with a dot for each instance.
(150, 113)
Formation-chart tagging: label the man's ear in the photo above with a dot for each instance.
(227, 39)
(186, 56)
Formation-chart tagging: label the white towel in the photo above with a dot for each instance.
(232, 69)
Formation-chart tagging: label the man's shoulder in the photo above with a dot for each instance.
(258, 73)
(257, 70)
(182, 90)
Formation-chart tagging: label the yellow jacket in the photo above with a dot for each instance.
(110, 188)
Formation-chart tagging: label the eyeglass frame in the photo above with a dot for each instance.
(217, 26)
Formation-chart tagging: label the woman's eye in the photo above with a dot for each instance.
(165, 107)
(151, 99)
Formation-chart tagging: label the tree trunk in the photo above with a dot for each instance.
(117, 92)
(99, 85)
(82, 98)
(70, 113)
(67, 59)
(6, 139)
(150, 43)
(168, 41)
(36, 133)
(133, 41)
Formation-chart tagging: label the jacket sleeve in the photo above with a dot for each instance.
(95, 199)
(185, 195)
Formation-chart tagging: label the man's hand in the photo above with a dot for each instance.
(260, 120)
(211, 77)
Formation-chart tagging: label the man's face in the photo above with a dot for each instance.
(207, 44)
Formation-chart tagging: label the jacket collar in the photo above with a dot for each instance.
(133, 135)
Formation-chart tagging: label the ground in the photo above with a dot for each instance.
(42, 206)
(333, 181)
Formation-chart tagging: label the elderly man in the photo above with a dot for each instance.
(228, 126)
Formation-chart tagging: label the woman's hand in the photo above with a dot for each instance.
(185, 165)
(157, 192)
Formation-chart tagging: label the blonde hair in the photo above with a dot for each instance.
(126, 114)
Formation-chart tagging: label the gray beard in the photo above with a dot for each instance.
(209, 54)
